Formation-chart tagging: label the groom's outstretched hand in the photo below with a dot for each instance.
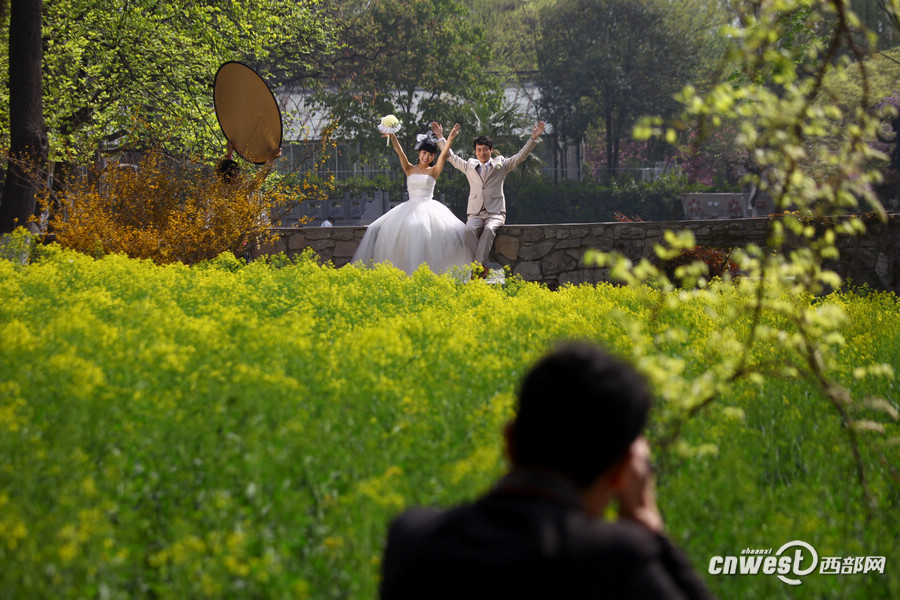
(437, 129)
(538, 130)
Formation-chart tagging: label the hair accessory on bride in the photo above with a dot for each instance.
(427, 139)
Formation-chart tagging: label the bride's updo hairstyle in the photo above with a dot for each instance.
(427, 142)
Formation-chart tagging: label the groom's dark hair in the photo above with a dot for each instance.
(483, 140)
(579, 411)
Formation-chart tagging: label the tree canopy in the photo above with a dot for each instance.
(510, 29)
(605, 63)
(140, 73)
(133, 75)
(421, 60)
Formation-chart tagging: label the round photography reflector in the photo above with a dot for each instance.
(247, 112)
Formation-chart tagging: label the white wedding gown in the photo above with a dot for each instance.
(418, 231)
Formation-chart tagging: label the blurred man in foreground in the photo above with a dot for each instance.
(575, 446)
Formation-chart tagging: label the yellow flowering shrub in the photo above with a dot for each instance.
(170, 210)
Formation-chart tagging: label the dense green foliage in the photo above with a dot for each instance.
(248, 431)
(604, 63)
(536, 200)
(509, 29)
(420, 60)
(140, 73)
(591, 202)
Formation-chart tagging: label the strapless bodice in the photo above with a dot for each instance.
(420, 186)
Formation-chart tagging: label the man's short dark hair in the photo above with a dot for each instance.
(229, 170)
(483, 140)
(579, 411)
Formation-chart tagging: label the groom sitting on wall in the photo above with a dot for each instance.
(486, 209)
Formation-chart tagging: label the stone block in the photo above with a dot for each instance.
(321, 245)
(630, 232)
(557, 262)
(533, 234)
(529, 271)
(318, 233)
(507, 246)
(345, 249)
(342, 233)
(655, 231)
(606, 244)
(579, 232)
(296, 241)
(536, 251)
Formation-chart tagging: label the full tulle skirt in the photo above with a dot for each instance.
(414, 233)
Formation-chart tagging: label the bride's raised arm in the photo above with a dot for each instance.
(404, 162)
(445, 151)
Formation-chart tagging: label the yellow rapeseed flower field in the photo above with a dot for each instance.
(223, 430)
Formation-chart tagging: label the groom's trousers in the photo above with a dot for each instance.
(481, 229)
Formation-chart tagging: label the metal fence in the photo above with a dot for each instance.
(644, 175)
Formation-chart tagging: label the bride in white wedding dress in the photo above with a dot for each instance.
(420, 230)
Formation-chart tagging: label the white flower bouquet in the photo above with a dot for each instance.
(389, 124)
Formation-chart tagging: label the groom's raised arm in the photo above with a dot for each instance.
(455, 160)
(511, 162)
(439, 163)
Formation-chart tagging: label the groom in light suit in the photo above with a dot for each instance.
(486, 209)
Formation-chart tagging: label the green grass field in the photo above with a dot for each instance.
(232, 431)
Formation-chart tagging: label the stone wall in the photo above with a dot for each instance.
(334, 244)
(552, 254)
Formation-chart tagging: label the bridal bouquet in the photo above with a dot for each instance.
(389, 124)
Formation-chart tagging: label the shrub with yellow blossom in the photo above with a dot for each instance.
(172, 210)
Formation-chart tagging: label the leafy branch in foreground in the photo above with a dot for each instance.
(814, 159)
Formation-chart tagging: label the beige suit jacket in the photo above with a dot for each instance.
(488, 193)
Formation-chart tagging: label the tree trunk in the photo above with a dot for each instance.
(610, 172)
(28, 139)
(562, 158)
